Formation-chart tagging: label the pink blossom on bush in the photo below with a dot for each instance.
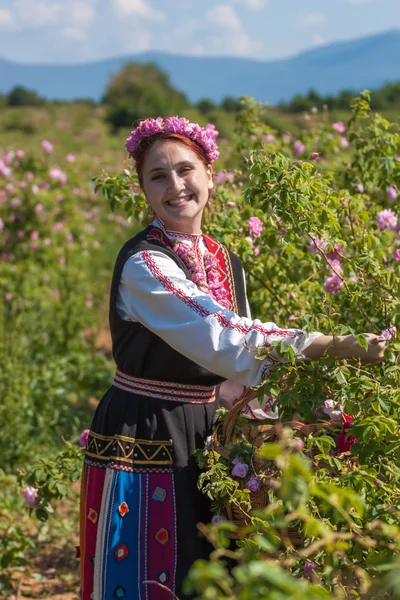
(20, 154)
(298, 147)
(335, 267)
(392, 193)
(57, 226)
(331, 409)
(345, 142)
(30, 494)
(70, 158)
(255, 227)
(397, 255)
(4, 170)
(389, 334)
(8, 297)
(359, 187)
(318, 244)
(34, 235)
(47, 242)
(339, 126)
(386, 219)
(39, 208)
(47, 146)
(269, 137)
(253, 484)
(333, 284)
(83, 438)
(315, 156)
(1, 224)
(231, 204)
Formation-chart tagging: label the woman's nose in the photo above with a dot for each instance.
(175, 182)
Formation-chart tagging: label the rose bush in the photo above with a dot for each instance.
(315, 223)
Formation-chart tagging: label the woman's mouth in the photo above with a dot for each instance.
(179, 201)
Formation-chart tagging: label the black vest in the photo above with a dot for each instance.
(139, 352)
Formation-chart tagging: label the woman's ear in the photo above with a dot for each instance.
(210, 177)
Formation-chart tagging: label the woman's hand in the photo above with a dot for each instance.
(346, 346)
(350, 348)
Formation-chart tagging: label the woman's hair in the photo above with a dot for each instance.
(140, 153)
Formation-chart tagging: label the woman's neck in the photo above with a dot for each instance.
(176, 229)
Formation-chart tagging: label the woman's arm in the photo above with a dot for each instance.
(346, 346)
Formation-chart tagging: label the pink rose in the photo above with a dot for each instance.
(30, 494)
(255, 226)
(83, 438)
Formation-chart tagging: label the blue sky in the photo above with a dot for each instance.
(66, 31)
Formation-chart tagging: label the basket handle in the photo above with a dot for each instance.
(230, 419)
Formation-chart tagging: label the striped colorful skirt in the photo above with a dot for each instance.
(139, 502)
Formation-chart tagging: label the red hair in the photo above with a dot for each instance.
(147, 143)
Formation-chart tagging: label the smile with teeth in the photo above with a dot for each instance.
(181, 200)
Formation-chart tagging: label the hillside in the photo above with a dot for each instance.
(362, 63)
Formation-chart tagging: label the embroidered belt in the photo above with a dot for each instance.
(165, 390)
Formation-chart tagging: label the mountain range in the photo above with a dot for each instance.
(367, 62)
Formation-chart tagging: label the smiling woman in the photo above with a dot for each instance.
(180, 327)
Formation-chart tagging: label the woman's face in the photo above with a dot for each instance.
(177, 185)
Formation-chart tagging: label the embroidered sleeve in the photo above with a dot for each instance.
(154, 291)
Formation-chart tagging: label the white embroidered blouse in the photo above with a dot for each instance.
(155, 292)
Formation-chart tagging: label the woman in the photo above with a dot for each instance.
(179, 328)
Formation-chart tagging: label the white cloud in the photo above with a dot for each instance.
(139, 8)
(74, 33)
(40, 13)
(6, 18)
(225, 17)
(253, 4)
(219, 33)
(37, 12)
(312, 20)
(318, 40)
(81, 12)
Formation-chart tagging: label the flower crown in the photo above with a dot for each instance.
(204, 136)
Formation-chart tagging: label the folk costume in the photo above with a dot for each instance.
(172, 344)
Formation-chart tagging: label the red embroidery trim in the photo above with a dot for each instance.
(169, 286)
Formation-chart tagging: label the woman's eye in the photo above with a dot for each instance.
(155, 177)
(186, 169)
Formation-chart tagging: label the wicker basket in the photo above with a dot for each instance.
(258, 436)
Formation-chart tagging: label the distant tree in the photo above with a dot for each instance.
(230, 104)
(20, 96)
(299, 103)
(205, 106)
(138, 91)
